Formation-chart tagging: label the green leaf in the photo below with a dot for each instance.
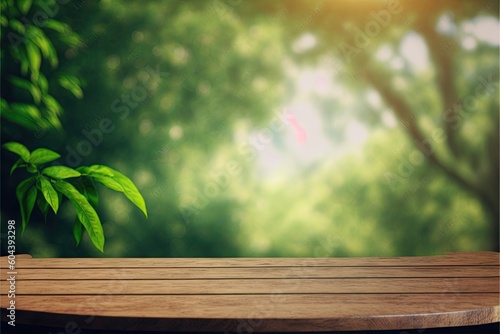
(29, 110)
(36, 93)
(86, 186)
(43, 155)
(52, 104)
(34, 58)
(24, 5)
(60, 172)
(34, 90)
(25, 115)
(49, 193)
(18, 149)
(72, 84)
(85, 212)
(43, 206)
(57, 26)
(52, 56)
(3, 21)
(25, 64)
(17, 26)
(16, 165)
(20, 82)
(60, 197)
(108, 181)
(115, 180)
(96, 170)
(32, 168)
(40, 39)
(53, 121)
(71, 39)
(77, 231)
(26, 195)
(43, 83)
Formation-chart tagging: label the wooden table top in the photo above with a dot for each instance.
(256, 294)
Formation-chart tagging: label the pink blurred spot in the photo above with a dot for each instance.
(300, 133)
(321, 82)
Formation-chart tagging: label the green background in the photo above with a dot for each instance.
(190, 100)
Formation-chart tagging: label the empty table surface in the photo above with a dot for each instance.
(255, 294)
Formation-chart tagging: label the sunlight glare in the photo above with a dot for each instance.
(303, 43)
(469, 43)
(374, 99)
(306, 81)
(384, 53)
(357, 133)
(397, 63)
(414, 50)
(484, 28)
(316, 144)
(388, 119)
(445, 25)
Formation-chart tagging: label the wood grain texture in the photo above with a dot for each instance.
(255, 272)
(290, 312)
(256, 295)
(452, 259)
(257, 286)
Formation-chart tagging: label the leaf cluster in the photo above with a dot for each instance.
(47, 186)
(29, 44)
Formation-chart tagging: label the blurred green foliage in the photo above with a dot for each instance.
(28, 45)
(192, 100)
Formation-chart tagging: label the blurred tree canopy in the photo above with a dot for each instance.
(277, 128)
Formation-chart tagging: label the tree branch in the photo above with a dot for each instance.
(441, 50)
(406, 117)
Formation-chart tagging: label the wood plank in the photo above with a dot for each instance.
(265, 312)
(254, 272)
(256, 286)
(268, 294)
(455, 259)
